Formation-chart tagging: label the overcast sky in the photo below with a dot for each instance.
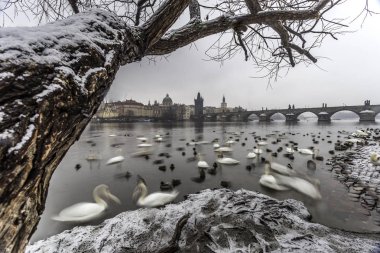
(351, 74)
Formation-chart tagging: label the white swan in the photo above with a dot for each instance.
(216, 145)
(359, 133)
(116, 159)
(305, 151)
(262, 143)
(143, 139)
(223, 149)
(92, 157)
(251, 155)
(289, 150)
(375, 159)
(82, 212)
(201, 163)
(144, 145)
(258, 151)
(281, 169)
(229, 142)
(270, 181)
(154, 199)
(142, 152)
(227, 160)
(301, 185)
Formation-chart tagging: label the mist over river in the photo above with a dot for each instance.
(75, 178)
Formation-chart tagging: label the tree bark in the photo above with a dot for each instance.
(51, 85)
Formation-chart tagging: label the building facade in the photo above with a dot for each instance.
(130, 110)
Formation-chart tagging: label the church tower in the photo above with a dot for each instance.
(198, 109)
(223, 105)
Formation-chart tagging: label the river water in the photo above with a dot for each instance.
(70, 185)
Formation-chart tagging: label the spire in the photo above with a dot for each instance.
(224, 99)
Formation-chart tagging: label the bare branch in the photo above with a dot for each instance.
(74, 5)
(195, 10)
(194, 31)
(162, 20)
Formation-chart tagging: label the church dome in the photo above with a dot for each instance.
(167, 101)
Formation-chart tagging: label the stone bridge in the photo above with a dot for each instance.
(366, 112)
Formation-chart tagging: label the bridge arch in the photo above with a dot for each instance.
(377, 116)
(345, 113)
(249, 116)
(308, 115)
(279, 115)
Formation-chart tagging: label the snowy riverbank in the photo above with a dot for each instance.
(213, 221)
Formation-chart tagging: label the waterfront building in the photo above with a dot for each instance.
(189, 112)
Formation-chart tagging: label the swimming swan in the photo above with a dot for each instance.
(154, 199)
(86, 211)
(227, 160)
(270, 181)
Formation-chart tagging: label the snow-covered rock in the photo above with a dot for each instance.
(220, 221)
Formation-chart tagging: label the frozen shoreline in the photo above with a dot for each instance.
(219, 221)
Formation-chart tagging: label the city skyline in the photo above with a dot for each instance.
(218, 105)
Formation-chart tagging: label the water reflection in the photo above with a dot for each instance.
(69, 186)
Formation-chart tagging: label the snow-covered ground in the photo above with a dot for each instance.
(220, 221)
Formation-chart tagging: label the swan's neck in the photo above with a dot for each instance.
(144, 191)
(99, 200)
(267, 169)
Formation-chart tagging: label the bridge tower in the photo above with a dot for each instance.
(367, 114)
(198, 107)
(223, 105)
(290, 115)
(323, 114)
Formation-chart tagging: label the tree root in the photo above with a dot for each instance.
(172, 245)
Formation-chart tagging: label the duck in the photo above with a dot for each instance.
(116, 159)
(305, 151)
(316, 155)
(155, 199)
(86, 211)
(375, 159)
(270, 181)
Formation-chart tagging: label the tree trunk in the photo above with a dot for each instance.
(52, 80)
